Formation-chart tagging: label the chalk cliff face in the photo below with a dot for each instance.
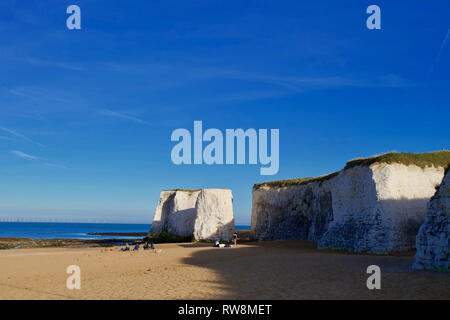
(433, 239)
(294, 212)
(379, 208)
(205, 214)
(374, 208)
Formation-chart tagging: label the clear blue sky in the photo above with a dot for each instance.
(86, 115)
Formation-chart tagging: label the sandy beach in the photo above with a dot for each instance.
(259, 270)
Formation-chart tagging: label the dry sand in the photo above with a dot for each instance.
(263, 270)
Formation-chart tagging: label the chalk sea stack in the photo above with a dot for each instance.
(433, 239)
(203, 214)
(373, 205)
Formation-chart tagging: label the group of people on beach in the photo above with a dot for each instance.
(227, 245)
(151, 246)
(136, 247)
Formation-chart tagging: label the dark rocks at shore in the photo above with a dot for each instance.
(119, 234)
(16, 243)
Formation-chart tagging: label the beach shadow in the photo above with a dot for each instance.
(296, 269)
(260, 270)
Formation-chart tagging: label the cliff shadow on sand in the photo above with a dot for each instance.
(287, 269)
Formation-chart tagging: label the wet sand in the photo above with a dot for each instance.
(259, 270)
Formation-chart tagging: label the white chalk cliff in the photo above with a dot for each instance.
(433, 239)
(375, 208)
(205, 214)
(293, 212)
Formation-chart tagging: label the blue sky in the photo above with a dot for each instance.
(86, 115)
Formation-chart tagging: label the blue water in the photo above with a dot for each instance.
(52, 230)
(49, 230)
(242, 227)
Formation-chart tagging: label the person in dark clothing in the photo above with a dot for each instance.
(235, 238)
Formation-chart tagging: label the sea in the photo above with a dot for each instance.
(60, 230)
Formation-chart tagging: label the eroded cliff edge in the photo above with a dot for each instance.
(204, 214)
(433, 239)
(373, 205)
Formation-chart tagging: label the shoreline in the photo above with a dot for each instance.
(9, 243)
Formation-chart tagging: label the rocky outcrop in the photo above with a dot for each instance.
(370, 206)
(205, 214)
(433, 239)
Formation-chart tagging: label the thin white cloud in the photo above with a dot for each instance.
(19, 135)
(46, 63)
(170, 76)
(7, 138)
(24, 155)
(18, 93)
(302, 83)
(39, 94)
(55, 165)
(441, 49)
(45, 162)
(123, 116)
(443, 45)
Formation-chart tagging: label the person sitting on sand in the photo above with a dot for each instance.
(216, 243)
(136, 247)
(152, 246)
(145, 247)
(127, 248)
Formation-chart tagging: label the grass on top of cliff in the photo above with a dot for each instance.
(293, 182)
(194, 190)
(429, 159)
(185, 190)
(436, 159)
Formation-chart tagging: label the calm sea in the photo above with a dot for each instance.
(52, 230)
